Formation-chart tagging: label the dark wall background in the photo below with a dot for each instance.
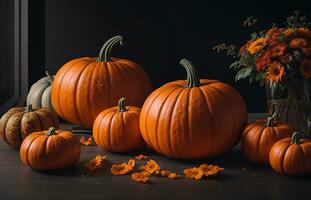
(159, 33)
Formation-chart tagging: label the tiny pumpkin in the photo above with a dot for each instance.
(291, 156)
(95, 84)
(117, 129)
(51, 149)
(40, 92)
(19, 122)
(260, 136)
(193, 118)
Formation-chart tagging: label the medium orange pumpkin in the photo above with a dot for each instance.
(193, 118)
(260, 136)
(19, 122)
(51, 149)
(84, 87)
(291, 156)
(117, 129)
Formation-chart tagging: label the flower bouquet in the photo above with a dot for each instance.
(280, 58)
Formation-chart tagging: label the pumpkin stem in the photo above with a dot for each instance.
(296, 138)
(29, 108)
(105, 51)
(193, 79)
(51, 131)
(270, 122)
(49, 75)
(121, 105)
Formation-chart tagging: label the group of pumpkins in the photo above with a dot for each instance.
(184, 119)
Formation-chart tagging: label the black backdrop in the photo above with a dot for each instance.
(158, 33)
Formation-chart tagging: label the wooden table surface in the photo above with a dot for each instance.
(240, 180)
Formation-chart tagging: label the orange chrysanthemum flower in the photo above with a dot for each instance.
(305, 33)
(243, 49)
(273, 33)
(194, 173)
(87, 141)
(173, 176)
(142, 177)
(263, 60)
(210, 170)
(288, 32)
(123, 168)
(305, 68)
(298, 43)
(151, 167)
(277, 50)
(95, 163)
(141, 157)
(298, 33)
(257, 45)
(275, 72)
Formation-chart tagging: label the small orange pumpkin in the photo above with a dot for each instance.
(84, 87)
(193, 118)
(291, 156)
(51, 149)
(117, 129)
(260, 136)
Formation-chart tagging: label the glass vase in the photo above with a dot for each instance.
(290, 102)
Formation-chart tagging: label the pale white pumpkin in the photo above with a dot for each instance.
(40, 93)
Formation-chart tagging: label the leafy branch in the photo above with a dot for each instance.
(250, 22)
(297, 20)
(231, 50)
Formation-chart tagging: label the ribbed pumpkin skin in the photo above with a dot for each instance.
(18, 123)
(40, 93)
(118, 131)
(291, 159)
(258, 139)
(44, 152)
(190, 123)
(84, 87)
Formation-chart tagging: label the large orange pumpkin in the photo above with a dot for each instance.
(117, 129)
(193, 118)
(84, 87)
(260, 136)
(291, 156)
(51, 149)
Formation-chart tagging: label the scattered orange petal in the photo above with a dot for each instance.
(173, 176)
(210, 170)
(87, 141)
(165, 172)
(142, 177)
(131, 163)
(151, 167)
(141, 157)
(95, 163)
(194, 173)
(123, 168)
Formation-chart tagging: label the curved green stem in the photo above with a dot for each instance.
(193, 79)
(51, 131)
(270, 122)
(105, 51)
(296, 138)
(121, 105)
(49, 75)
(29, 108)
